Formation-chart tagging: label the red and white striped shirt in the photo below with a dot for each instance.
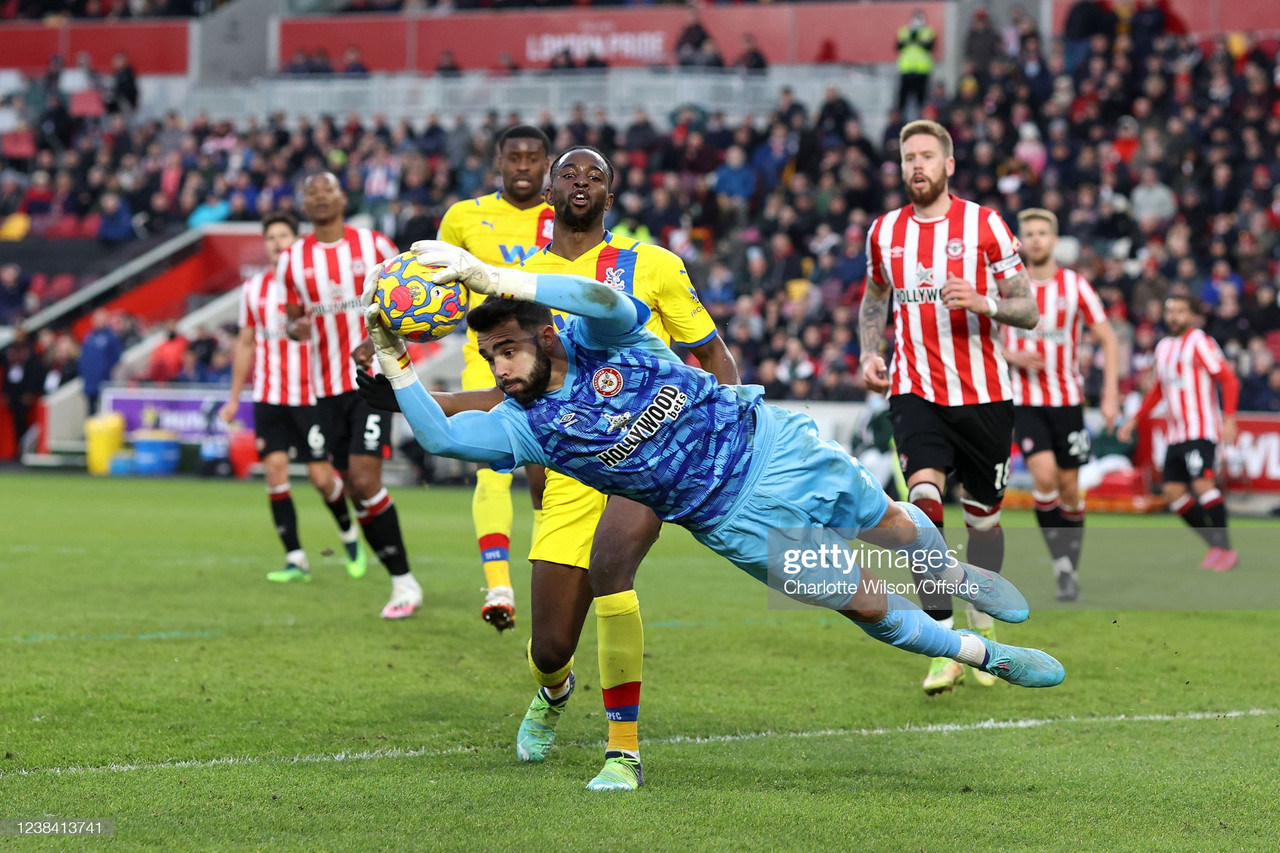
(1065, 301)
(1185, 368)
(281, 366)
(948, 357)
(326, 280)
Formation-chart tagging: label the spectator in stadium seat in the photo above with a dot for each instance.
(116, 225)
(508, 65)
(213, 208)
(751, 59)
(353, 62)
(14, 285)
(1153, 200)
(299, 63)
(1227, 323)
(562, 61)
(1267, 399)
(447, 64)
(11, 192)
(38, 199)
(982, 44)
(1265, 315)
(691, 39)
(641, 135)
(122, 94)
(320, 63)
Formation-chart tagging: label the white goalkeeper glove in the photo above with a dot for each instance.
(462, 266)
(392, 354)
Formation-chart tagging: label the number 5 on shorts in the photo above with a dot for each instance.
(373, 432)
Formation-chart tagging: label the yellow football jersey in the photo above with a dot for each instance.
(494, 231)
(651, 274)
(497, 233)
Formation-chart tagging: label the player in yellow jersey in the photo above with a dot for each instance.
(573, 515)
(580, 528)
(502, 228)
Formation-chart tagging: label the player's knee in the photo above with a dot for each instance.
(364, 484)
(321, 476)
(550, 653)
(980, 516)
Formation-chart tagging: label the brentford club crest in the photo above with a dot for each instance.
(955, 248)
(607, 381)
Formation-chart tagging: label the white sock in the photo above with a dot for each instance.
(405, 581)
(351, 534)
(972, 651)
(559, 692)
(298, 558)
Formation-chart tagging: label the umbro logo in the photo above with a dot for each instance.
(568, 418)
(897, 252)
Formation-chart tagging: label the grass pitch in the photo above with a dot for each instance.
(151, 675)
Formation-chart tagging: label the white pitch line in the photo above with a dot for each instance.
(673, 740)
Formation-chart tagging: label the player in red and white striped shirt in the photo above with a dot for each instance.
(284, 407)
(1048, 420)
(323, 274)
(953, 269)
(1188, 365)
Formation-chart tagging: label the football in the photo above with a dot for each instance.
(413, 306)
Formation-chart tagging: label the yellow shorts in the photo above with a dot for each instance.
(570, 513)
(476, 375)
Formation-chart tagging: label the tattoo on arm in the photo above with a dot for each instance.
(1016, 306)
(872, 316)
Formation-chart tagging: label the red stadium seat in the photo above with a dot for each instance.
(61, 286)
(87, 104)
(39, 286)
(64, 227)
(18, 145)
(89, 226)
(1273, 343)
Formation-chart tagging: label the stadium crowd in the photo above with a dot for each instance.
(108, 9)
(1159, 154)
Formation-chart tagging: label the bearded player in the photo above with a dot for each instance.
(954, 272)
(750, 481)
(582, 529)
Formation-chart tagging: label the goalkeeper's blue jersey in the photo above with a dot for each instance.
(633, 420)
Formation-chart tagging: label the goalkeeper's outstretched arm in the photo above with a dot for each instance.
(469, 436)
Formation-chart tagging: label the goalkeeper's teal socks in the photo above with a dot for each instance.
(911, 629)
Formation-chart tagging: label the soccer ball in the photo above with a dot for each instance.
(414, 307)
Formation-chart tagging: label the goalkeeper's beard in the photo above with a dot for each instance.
(535, 384)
